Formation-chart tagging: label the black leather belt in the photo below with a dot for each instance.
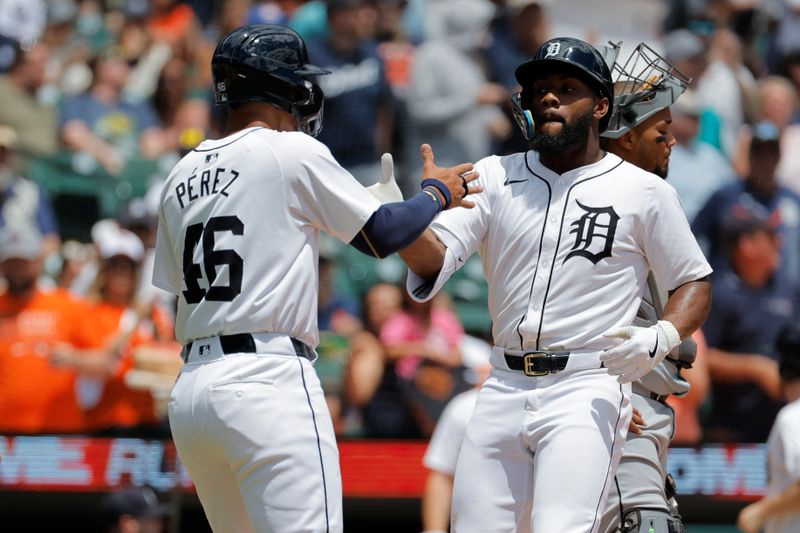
(538, 363)
(245, 343)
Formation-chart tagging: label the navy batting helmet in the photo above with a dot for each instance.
(268, 63)
(567, 55)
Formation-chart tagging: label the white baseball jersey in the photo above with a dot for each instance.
(238, 232)
(566, 256)
(783, 448)
(445, 443)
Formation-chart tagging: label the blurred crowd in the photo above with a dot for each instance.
(94, 91)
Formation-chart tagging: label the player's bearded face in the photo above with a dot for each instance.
(572, 135)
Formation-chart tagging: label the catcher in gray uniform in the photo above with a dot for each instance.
(642, 496)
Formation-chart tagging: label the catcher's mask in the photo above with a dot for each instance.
(644, 85)
(269, 63)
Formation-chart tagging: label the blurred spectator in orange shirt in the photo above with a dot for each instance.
(35, 396)
(117, 326)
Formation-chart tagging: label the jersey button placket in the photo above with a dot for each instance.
(549, 248)
(549, 241)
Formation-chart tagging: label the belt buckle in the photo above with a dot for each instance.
(527, 364)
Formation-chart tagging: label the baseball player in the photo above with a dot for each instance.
(566, 235)
(639, 132)
(238, 237)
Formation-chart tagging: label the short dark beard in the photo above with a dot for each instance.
(661, 172)
(571, 137)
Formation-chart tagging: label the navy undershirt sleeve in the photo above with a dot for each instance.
(396, 225)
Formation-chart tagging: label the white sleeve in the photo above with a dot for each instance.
(789, 424)
(166, 270)
(667, 240)
(462, 231)
(324, 193)
(422, 290)
(445, 443)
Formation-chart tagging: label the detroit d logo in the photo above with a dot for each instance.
(594, 233)
(552, 50)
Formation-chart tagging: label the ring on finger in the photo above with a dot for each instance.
(464, 184)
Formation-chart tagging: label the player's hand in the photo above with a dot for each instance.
(456, 179)
(642, 350)
(637, 422)
(386, 190)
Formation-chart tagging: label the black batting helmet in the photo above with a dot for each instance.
(573, 56)
(268, 63)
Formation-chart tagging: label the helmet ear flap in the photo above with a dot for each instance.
(522, 115)
(309, 111)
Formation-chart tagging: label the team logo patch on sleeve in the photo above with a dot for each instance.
(594, 233)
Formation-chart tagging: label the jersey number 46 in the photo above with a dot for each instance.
(212, 259)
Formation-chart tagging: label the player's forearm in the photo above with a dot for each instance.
(688, 306)
(394, 226)
(425, 256)
(436, 502)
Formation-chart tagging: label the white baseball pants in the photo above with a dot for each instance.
(540, 453)
(255, 434)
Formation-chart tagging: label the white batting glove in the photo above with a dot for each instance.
(386, 190)
(642, 350)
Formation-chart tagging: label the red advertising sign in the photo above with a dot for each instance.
(370, 469)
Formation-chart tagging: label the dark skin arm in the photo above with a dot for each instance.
(688, 306)
(425, 256)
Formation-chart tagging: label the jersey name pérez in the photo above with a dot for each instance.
(209, 182)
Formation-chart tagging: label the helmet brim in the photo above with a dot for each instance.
(311, 70)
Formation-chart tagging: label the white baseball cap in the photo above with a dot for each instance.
(113, 242)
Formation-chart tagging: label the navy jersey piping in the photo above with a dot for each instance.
(319, 446)
(539, 257)
(229, 142)
(558, 244)
(611, 457)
